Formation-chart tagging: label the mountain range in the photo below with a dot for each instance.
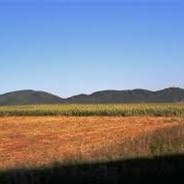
(25, 97)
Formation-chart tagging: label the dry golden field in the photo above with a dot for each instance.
(35, 141)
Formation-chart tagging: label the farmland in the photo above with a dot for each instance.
(162, 110)
(48, 137)
(37, 141)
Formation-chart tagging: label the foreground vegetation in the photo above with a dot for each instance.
(139, 161)
(163, 110)
(34, 141)
(109, 146)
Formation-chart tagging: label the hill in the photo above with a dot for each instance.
(131, 96)
(28, 97)
(109, 96)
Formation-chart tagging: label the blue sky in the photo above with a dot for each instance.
(71, 47)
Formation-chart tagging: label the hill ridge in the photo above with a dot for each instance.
(29, 96)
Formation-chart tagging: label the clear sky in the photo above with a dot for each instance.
(71, 47)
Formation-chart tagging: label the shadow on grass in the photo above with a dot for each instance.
(164, 169)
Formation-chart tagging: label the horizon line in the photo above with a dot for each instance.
(103, 90)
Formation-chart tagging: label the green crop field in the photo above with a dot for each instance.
(94, 110)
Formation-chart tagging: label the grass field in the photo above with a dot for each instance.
(48, 137)
(36, 141)
(161, 110)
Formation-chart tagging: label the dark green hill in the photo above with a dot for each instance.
(109, 96)
(28, 97)
(130, 96)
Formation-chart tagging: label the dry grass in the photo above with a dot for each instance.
(35, 141)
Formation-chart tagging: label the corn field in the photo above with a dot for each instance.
(164, 110)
